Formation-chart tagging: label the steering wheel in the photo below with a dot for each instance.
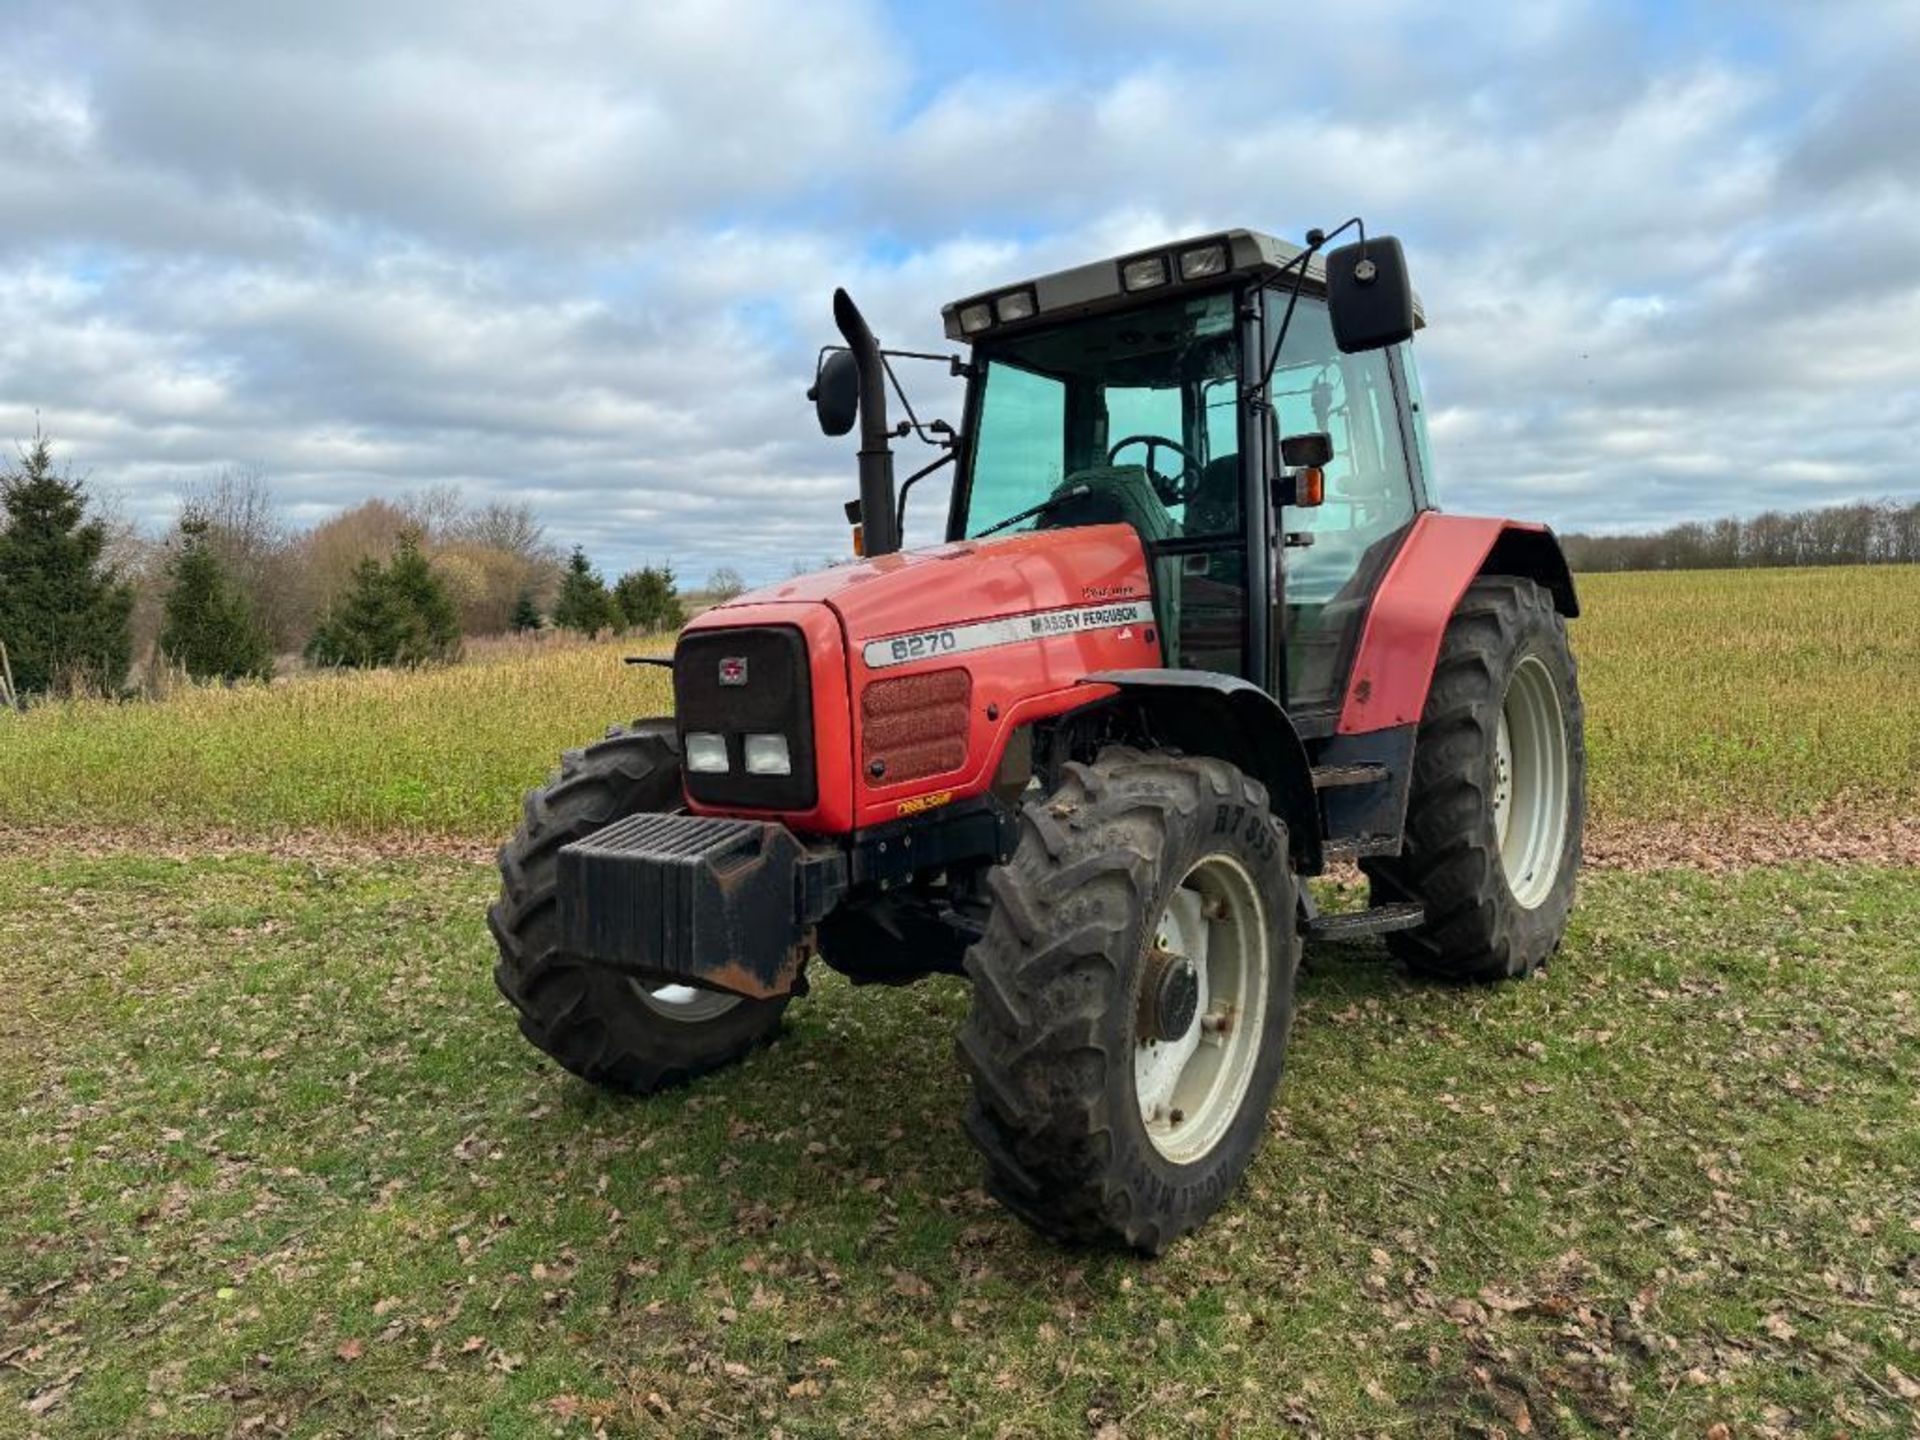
(1178, 489)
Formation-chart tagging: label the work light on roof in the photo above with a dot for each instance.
(1144, 273)
(1203, 261)
(975, 318)
(1015, 305)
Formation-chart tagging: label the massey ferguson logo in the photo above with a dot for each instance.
(733, 670)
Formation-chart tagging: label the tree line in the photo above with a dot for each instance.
(88, 604)
(1882, 533)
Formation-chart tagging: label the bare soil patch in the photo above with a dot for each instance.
(1713, 843)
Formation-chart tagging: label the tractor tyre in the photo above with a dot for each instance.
(1133, 995)
(604, 1026)
(1497, 801)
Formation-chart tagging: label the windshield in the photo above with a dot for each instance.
(1128, 417)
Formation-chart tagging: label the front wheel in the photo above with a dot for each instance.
(1133, 995)
(602, 1025)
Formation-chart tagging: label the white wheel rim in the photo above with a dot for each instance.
(1191, 1087)
(686, 1003)
(1530, 782)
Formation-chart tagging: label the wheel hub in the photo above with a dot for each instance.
(1169, 996)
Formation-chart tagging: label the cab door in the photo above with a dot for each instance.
(1333, 554)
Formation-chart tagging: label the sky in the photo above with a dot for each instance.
(582, 253)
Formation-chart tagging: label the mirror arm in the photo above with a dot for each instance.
(1316, 241)
(927, 433)
(900, 515)
(911, 425)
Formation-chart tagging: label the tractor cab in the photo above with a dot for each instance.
(1161, 404)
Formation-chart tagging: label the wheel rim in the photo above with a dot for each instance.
(1190, 1087)
(686, 1003)
(1530, 782)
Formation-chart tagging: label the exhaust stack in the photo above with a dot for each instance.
(877, 514)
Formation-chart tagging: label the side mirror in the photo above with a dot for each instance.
(1311, 451)
(1369, 297)
(836, 393)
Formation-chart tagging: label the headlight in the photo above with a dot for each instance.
(707, 754)
(767, 755)
(1202, 261)
(1017, 305)
(975, 318)
(1144, 274)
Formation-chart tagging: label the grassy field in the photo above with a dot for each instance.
(276, 1161)
(275, 1158)
(1772, 693)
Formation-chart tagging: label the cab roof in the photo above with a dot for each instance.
(1099, 286)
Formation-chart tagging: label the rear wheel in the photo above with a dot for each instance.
(604, 1026)
(1497, 802)
(1132, 998)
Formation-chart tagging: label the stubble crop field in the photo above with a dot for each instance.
(275, 1160)
(1772, 693)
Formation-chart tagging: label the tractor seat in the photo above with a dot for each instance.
(1215, 507)
(1120, 494)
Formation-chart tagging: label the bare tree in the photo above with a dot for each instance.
(509, 526)
(244, 529)
(1853, 534)
(439, 512)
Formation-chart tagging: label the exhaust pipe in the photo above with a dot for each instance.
(877, 515)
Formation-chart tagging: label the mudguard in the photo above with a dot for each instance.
(1207, 713)
(1442, 555)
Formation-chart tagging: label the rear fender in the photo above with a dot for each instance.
(1205, 713)
(1442, 555)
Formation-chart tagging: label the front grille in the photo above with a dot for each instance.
(773, 696)
(914, 725)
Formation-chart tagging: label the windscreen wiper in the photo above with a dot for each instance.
(1058, 497)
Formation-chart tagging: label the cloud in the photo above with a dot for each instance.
(582, 253)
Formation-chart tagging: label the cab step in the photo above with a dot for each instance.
(1332, 777)
(1352, 924)
(1356, 847)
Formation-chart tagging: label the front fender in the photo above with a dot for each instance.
(1206, 713)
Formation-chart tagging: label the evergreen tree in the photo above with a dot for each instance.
(209, 625)
(364, 625)
(649, 600)
(63, 614)
(398, 614)
(431, 628)
(526, 615)
(584, 604)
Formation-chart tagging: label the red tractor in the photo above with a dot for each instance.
(1197, 632)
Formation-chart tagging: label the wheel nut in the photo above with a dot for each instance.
(1216, 1024)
